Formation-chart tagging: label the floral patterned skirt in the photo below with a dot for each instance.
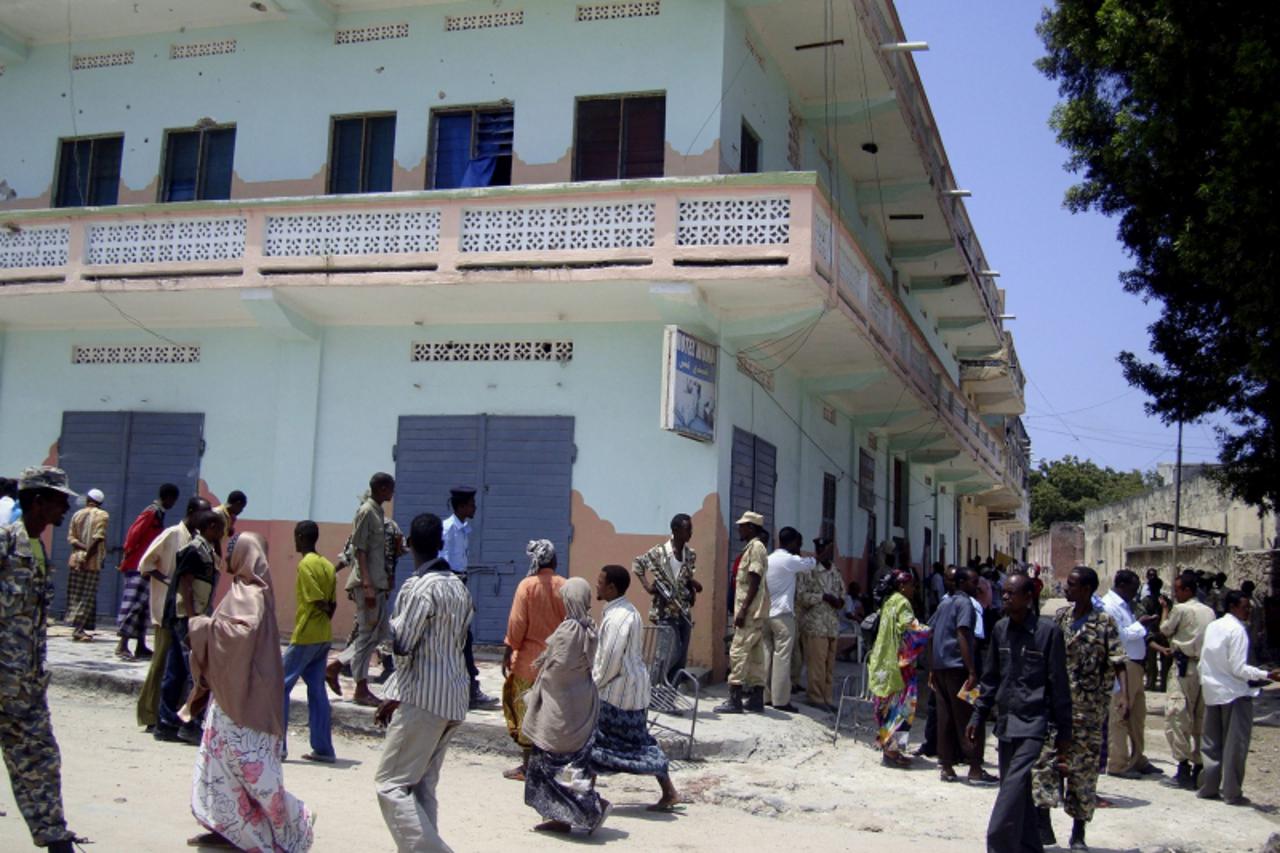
(238, 790)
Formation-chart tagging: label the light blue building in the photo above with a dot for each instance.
(278, 246)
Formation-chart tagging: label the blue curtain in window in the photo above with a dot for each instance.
(479, 172)
(453, 150)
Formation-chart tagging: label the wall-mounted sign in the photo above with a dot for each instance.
(688, 385)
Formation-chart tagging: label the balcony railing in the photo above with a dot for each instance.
(663, 224)
(760, 226)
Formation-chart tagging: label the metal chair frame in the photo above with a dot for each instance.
(855, 697)
(664, 696)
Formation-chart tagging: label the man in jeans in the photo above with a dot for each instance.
(368, 586)
(953, 675)
(785, 563)
(308, 651)
(428, 694)
(673, 562)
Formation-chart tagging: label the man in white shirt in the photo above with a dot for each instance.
(457, 552)
(780, 635)
(1129, 731)
(1228, 684)
(622, 742)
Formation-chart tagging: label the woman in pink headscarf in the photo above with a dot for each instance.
(238, 791)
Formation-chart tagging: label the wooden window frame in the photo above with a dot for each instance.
(200, 161)
(364, 147)
(474, 110)
(621, 98)
(58, 166)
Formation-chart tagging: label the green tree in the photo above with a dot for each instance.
(1063, 489)
(1171, 115)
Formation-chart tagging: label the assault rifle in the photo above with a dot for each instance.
(662, 586)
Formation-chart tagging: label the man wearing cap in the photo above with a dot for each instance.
(457, 547)
(87, 536)
(750, 612)
(26, 732)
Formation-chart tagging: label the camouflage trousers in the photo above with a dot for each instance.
(34, 764)
(1081, 782)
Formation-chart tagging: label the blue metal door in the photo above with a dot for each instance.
(128, 455)
(522, 469)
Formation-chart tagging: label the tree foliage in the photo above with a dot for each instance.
(1063, 489)
(1171, 115)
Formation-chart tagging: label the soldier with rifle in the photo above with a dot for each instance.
(666, 573)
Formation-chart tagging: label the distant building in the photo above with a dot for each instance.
(1059, 549)
(1137, 532)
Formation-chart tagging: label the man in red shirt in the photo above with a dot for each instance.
(135, 602)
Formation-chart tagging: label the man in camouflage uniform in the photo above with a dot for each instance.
(1095, 659)
(26, 733)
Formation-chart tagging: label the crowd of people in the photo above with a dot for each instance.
(1063, 693)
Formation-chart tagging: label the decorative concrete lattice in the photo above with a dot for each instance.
(822, 238)
(381, 32)
(142, 242)
(795, 150)
(197, 49)
(854, 277)
(734, 222)
(762, 376)
(102, 60)
(612, 11)
(487, 21)
(880, 313)
(137, 354)
(627, 225)
(390, 233)
(560, 351)
(34, 247)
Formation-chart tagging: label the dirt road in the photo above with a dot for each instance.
(128, 792)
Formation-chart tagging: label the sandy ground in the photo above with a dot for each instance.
(128, 792)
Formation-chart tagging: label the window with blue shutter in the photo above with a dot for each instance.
(471, 147)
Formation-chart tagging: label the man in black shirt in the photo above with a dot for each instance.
(1025, 674)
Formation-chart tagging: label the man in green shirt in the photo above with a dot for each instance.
(308, 650)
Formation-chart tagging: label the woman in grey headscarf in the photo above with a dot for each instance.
(536, 611)
(560, 720)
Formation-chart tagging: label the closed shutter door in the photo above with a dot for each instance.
(522, 470)
(528, 476)
(128, 455)
(753, 479)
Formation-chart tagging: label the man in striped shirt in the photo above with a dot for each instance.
(426, 697)
(623, 743)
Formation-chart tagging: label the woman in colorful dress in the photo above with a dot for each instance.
(238, 792)
(560, 721)
(891, 670)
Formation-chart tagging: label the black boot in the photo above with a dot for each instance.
(1196, 769)
(732, 705)
(1077, 835)
(755, 701)
(1045, 825)
(1181, 779)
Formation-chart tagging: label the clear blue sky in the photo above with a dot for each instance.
(1059, 269)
